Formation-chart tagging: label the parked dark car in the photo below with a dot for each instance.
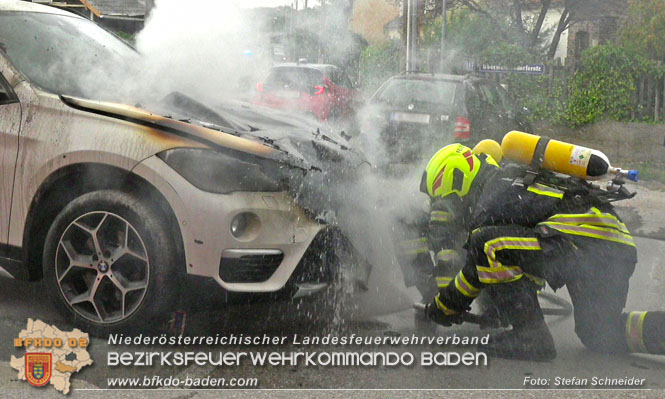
(321, 90)
(416, 111)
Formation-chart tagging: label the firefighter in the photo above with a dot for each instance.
(521, 236)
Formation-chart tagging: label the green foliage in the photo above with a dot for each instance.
(472, 36)
(606, 85)
(378, 63)
(644, 29)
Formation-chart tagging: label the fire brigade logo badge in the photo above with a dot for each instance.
(38, 368)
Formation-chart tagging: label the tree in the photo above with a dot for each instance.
(508, 16)
(644, 29)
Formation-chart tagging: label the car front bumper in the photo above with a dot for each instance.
(270, 256)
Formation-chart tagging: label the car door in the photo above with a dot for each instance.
(10, 119)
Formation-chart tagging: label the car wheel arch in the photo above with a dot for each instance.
(70, 182)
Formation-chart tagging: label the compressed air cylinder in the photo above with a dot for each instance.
(561, 157)
(489, 147)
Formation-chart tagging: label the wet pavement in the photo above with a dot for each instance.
(27, 300)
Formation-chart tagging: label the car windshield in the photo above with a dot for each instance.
(62, 54)
(405, 91)
(294, 78)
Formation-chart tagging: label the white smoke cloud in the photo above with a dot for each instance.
(204, 49)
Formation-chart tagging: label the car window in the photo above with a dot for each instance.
(334, 74)
(6, 93)
(294, 78)
(63, 54)
(331, 73)
(493, 97)
(405, 91)
(344, 80)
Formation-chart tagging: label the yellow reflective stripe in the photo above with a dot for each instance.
(593, 217)
(494, 275)
(439, 216)
(634, 331)
(498, 244)
(587, 230)
(497, 272)
(593, 220)
(443, 307)
(446, 255)
(541, 189)
(443, 282)
(463, 286)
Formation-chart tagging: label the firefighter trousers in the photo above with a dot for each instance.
(506, 260)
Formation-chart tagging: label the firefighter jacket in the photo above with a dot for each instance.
(500, 198)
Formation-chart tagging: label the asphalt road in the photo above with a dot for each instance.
(382, 312)
(26, 300)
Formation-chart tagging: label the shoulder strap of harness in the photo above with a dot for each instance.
(536, 161)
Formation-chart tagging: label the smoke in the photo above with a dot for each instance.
(204, 49)
(200, 50)
(377, 215)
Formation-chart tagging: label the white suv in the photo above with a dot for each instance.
(114, 206)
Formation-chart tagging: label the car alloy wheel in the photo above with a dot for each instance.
(102, 267)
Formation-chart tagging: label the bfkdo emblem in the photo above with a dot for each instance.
(38, 368)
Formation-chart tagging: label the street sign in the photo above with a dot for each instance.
(535, 69)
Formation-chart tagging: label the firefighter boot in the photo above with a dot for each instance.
(645, 332)
(529, 339)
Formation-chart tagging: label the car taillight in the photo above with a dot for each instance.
(319, 89)
(462, 128)
(259, 87)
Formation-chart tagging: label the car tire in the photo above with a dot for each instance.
(110, 264)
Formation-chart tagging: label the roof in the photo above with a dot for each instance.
(116, 8)
(16, 5)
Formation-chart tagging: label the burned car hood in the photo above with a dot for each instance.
(240, 127)
(319, 165)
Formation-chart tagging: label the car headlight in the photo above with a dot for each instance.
(221, 173)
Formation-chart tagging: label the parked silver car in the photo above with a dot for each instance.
(116, 207)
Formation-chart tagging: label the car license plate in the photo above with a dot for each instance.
(287, 94)
(409, 117)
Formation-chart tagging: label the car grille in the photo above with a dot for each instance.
(249, 266)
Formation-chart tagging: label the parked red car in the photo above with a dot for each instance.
(321, 90)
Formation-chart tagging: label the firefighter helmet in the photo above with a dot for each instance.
(452, 170)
